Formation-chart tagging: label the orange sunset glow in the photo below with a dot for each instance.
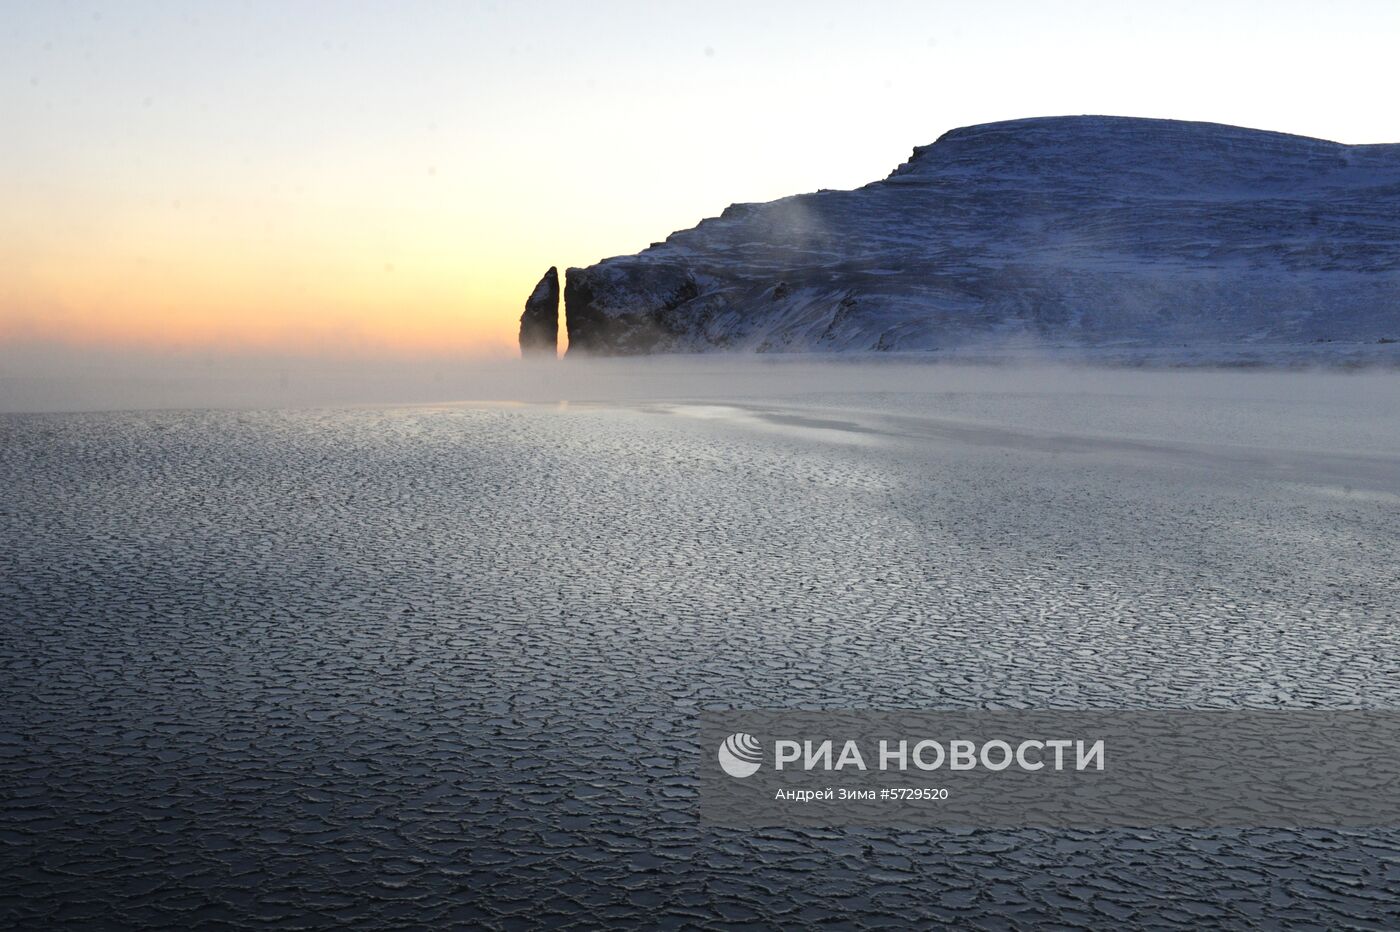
(394, 179)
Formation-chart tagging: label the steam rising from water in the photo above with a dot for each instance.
(68, 380)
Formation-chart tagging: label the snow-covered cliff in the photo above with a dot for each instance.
(1064, 231)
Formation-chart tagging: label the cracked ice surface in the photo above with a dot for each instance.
(441, 664)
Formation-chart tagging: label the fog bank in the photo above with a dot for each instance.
(52, 380)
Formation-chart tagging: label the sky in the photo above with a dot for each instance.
(389, 180)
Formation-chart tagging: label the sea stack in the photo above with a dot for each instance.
(539, 325)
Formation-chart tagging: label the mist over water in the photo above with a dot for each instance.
(54, 378)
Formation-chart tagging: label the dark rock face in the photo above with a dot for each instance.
(1066, 231)
(539, 325)
(635, 314)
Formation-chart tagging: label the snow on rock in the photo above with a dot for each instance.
(1058, 232)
